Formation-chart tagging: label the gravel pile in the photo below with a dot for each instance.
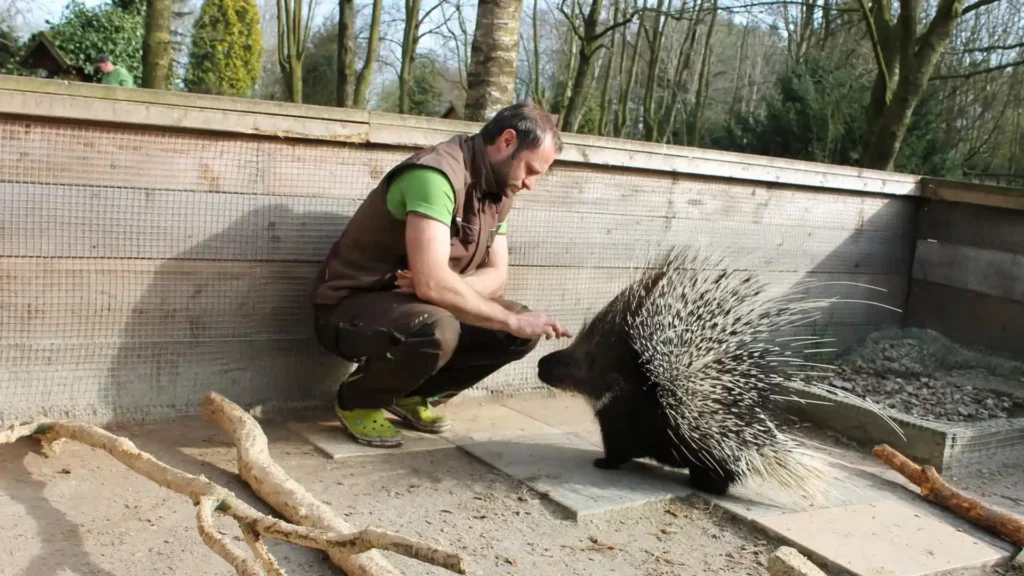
(934, 398)
(922, 374)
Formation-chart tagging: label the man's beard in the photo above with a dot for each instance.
(500, 172)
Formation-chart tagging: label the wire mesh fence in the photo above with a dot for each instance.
(141, 268)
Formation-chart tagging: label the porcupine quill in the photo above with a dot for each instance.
(684, 366)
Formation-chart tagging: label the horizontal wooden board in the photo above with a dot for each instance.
(183, 99)
(967, 316)
(992, 272)
(1001, 197)
(139, 381)
(79, 222)
(550, 238)
(153, 161)
(72, 108)
(105, 382)
(52, 300)
(28, 97)
(971, 225)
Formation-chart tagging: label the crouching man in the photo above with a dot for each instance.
(411, 291)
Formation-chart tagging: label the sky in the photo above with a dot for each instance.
(43, 10)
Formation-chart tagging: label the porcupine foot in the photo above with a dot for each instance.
(712, 482)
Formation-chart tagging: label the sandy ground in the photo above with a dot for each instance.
(83, 513)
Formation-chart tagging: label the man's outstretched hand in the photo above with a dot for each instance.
(530, 325)
(526, 325)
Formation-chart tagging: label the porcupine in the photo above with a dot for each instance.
(682, 367)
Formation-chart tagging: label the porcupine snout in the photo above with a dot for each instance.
(556, 369)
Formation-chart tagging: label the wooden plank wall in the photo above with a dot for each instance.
(156, 246)
(968, 274)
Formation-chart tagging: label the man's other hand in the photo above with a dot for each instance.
(529, 325)
(404, 282)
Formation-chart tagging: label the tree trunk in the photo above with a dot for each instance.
(410, 38)
(588, 47)
(606, 85)
(538, 94)
(622, 116)
(650, 122)
(700, 99)
(917, 57)
(366, 72)
(683, 61)
(563, 98)
(739, 66)
(156, 49)
(293, 27)
(346, 52)
(295, 81)
(493, 58)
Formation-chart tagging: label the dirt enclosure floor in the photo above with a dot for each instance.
(83, 513)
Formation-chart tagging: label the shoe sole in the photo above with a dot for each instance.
(435, 429)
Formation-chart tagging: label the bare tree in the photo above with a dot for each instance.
(294, 20)
(905, 59)
(411, 36)
(590, 36)
(346, 52)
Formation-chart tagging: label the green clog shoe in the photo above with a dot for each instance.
(370, 427)
(418, 413)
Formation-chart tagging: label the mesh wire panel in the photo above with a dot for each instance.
(141, 268)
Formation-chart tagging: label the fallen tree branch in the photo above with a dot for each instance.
(339, 541)
(218, 543)
(938, 491)
(270, 482)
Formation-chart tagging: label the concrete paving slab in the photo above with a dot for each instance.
(336, 443)
(566, 413)
(560, 465)
(479, 421)
(885, 538)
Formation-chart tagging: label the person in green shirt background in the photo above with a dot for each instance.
(113, 75)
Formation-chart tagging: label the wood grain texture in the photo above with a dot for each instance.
(967, 316)
(971, 225)
(972, 193)
(83, 301)
(26, 97)
(79, 222)
(992, 272)
(104, 382)
(159, 161)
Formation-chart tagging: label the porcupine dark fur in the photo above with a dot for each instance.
(683, 367)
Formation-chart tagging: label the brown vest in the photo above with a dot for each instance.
(371, 250)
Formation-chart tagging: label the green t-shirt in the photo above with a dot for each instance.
(425, 191)
(118, 77)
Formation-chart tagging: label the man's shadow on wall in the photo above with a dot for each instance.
(242, 328)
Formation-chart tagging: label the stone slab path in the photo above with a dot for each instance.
(872, 524)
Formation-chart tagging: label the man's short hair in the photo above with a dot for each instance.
(101, 59)
(530, 122)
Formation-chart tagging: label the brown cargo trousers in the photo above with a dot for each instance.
(406, 347)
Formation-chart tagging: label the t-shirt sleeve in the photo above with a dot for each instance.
(425, 191)
(503, 226)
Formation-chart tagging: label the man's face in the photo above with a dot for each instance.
(105, 67)
(515, 170)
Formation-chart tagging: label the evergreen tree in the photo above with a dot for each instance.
(227, 47)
